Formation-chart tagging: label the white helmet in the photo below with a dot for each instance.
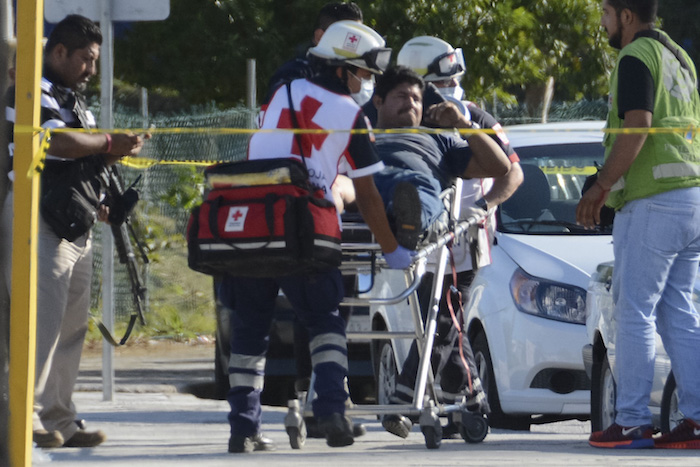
(432, 58)
(351, 43)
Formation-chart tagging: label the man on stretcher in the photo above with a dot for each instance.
(419, 165)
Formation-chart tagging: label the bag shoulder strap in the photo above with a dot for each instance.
(663, 39)
(295, 123)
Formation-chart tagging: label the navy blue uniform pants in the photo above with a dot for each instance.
(315, 300)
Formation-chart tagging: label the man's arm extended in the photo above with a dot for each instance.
(73, 145)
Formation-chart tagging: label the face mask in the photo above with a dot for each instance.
(366, 91)
(457, 92)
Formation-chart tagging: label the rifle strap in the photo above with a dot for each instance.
(108, 335)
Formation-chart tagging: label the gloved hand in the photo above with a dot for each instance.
(474, 210)
(400, 258)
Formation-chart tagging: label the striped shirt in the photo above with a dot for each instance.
(60, 108)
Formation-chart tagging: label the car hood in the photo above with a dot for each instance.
(561, 258)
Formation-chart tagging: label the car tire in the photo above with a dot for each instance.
(603, 393)
(386, 372)
(497, 419)
(671, 416)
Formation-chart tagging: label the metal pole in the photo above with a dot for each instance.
(25, 227)
(6, 38)
(106, 121)
(252, 91)
(146, 191)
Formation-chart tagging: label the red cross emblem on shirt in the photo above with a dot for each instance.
(308, 108)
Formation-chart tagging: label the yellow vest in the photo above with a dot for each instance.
(667, 161)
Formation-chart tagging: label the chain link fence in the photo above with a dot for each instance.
(170, 188)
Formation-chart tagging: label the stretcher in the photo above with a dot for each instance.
(363, 256)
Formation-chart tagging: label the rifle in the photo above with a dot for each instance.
(121, 203)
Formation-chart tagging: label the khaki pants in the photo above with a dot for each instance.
(63, 302)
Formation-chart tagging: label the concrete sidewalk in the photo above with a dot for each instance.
(173, 429)
(152, 422)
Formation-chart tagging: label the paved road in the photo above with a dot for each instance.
(150, 423)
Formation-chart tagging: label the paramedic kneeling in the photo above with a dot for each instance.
(323, 101)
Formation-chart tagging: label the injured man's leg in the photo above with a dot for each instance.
(412, 202)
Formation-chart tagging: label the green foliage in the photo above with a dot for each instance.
(508, 44)
(186, 192)
(181, 301)
(200, 50)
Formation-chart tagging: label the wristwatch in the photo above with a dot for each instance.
(475, 126)
(481, 203)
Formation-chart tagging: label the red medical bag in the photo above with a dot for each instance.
(262, 218)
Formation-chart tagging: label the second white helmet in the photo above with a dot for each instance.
(432, 58)
(352, 43)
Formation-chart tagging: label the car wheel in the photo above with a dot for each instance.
(671, 416)
(603, 390)
(497, 419)
(386, 372)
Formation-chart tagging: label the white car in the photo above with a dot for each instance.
(525, 312)
(599, 359)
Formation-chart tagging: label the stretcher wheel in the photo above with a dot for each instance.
(297, 436)
(474, 427)
(294, 423)
(433, 436)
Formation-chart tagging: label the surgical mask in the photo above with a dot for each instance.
(457, 92)
(366, 91)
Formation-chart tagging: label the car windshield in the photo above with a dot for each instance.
(545, 203)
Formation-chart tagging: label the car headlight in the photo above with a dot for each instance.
(547, 299)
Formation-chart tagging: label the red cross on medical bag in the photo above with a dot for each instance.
(262, 218)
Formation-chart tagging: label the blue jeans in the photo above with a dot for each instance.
(428, 190)
(657, 251)
(315, 299)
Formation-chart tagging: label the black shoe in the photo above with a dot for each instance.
(397, 425)
(407, 215)
(248, 444)
(338, 430)
(85, 439)
(313, 430)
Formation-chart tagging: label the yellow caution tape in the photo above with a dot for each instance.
(589, 170)
(690, 132)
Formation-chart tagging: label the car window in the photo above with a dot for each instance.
(546, 202)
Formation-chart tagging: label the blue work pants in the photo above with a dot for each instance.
(657, 250)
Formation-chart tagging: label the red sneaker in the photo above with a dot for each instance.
(686, 435)
(622, 437)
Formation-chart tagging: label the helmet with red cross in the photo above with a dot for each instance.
(349, 43)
